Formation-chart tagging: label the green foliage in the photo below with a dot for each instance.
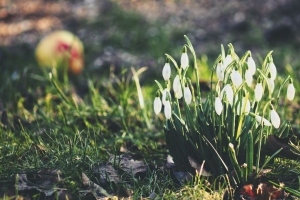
(229, 129)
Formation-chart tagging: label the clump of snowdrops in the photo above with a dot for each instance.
(228, 130)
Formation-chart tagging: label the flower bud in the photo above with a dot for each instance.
(157, 105)
(166, 72)
(273, 70)
(187, 95)
(290, 94)
(248, 77)
(251, 65)
(229, 93)
(164, 95)
(176, 84)
(275, 119)
(168, 110)
(258, 92)
(220, 71)
(236, 78)
(262, 120)
(218, 106)
(184, 61)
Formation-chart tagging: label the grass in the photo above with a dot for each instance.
(77, 125)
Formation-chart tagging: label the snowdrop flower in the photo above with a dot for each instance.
(251, 65)
(258, 91)
(166, 72)
(164, 95)
(184, 61)
(262, 120)
(227, 61)
(275, 119)
(271, 85)
(236, 78)
(168, 110)
(157, 105)
(290, 94)
(187, 95)
(229, 93)
(245, 107)
(248, 77)
(218, 106)
(230, 145)
(176, 84)
(273, 70)
(220, 71)
(178, 93)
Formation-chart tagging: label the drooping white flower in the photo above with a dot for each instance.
(157, 105)
(218, 105)
(236, 78)
(243, 106)
(229, 93)
(275, 119)
(227, 61)
(258, 92)
(168, 110)
(220, 71)
(176, 84)
(187, 95)
(290, 94)
(166, 72)
(230, 145)
(178, 94)
(184, 61)
(262, 120)
(251, 65)
(271, 84)
(248, 77)
(164, 95)
(273, 70)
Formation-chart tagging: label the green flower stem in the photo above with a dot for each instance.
(261, 137)
(281, 86)
(239, 130)
(191, 48)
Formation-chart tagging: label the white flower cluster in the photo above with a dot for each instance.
(240, 73)
(177, 88)
(235, 84)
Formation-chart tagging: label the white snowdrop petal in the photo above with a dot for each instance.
(176, 84)
(228, 92)
(184, 61)
(251, 65)
(290, 92)
(220, 71)
(157, 105)
(164, 95)
(178, 94)
(187, 95)
(227, 61)
(249, 77)
(218, 106)
(166, 72)
(275, 119)
(271, 84)
(260, 120)
(168, 110)
(236, 78)
(258, 91)
(273, 70)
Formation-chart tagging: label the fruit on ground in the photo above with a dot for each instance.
(61, 49)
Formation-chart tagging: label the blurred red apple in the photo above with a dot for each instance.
(61, 49)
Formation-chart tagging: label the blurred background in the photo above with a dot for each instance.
(139, 32)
